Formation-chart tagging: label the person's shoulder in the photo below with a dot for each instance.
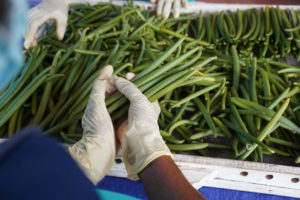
(18, 138)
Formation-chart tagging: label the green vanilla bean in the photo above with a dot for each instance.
(267, 129)
(187, 147)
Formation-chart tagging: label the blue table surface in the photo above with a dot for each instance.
(136, 189)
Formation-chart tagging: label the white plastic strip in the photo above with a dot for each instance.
(236, 175)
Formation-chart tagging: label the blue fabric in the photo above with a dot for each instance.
(10, 42)
(108, 195)
(136, 189)
(33, 166)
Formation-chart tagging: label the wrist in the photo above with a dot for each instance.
(156, 163)
(141, 164)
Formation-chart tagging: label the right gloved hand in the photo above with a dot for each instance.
(46, 11)
(164, 7)
(139, 136)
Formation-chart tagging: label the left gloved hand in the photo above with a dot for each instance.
(96, 150)
(164, 7)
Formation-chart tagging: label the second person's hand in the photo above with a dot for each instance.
(165, 7)
(47, 10)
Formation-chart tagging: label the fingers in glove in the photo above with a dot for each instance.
(167, 8)
(96, 116)
(176, 8)
(122, 125)
(61, 26)
(101, 84)
(99, 87)
(129, 76)
(98, 91)
(184, 3)
(110, 86)
(160, 6)
(31, 30)
(129, 90)
(106, 72)
(156, 108)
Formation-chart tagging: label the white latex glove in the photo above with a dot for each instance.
(96, 150)
(164, 7)
(139, 136)
(46, 11)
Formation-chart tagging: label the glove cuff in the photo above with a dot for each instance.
(134, 170)
(94, 156)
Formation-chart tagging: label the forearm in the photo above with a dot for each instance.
(162, 179)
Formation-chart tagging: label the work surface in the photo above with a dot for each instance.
(135, 188)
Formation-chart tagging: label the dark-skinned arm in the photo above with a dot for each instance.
(162, 179)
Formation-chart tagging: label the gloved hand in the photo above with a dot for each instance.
(139, 135)
(47, 10)
(96, 150)
(164, 7)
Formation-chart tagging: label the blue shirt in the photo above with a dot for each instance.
(34, 166)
